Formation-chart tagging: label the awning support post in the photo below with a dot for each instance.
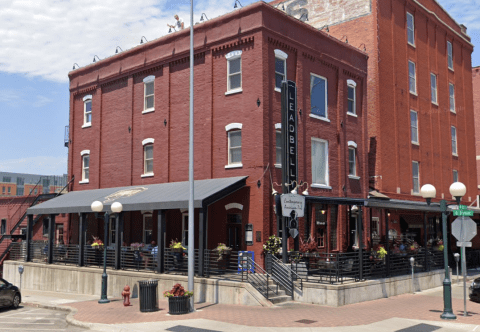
(201, 240)
(28, 254)
(360, 240)
(118, 239)
(51, 234)
(387, 245)
(425, 239)
(81, 238)
(160, 259)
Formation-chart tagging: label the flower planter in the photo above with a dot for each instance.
(178, 305)
(177, 250)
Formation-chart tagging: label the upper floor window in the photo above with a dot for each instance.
(278, 145)
(234, 132)
(319, 162)
(455, 175)
(416, 177)
(85, 166)
(87, 111)
(454, 140)
(280, 69)
(414, 126)
(450, 55)
(433, 87)
(148, 156)
(351, 97)
(149, 94)
(352, 156)
(411, 29)
(234, 71)
(3, 226)
(412, 78)
(318, 96)
(451, 91)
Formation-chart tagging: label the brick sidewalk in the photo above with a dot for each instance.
(408, 306)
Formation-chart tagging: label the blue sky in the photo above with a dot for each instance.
(40, 41)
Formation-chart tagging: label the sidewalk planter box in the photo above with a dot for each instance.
(179, 305)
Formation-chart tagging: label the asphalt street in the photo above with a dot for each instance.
(27, 319)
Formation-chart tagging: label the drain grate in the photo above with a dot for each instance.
(183, 328)
(420, 328)
(305, 321)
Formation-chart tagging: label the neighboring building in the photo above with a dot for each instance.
(129, 127)
(20, 184)
(420, 102)
(476, 107)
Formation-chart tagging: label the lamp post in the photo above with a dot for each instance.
(97, 206)
(457, 190)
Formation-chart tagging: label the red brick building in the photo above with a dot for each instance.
(129, 125)
(476, 107)
(420, 100)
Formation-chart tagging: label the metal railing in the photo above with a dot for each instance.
(18, 251)
(176, 261)
(224, 264)
(66, 254)
(284, 275)
(93, 256)
(138, 259)
(259, 278)
(38, 251)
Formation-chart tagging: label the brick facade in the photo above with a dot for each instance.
(476, 105)
(114, 139)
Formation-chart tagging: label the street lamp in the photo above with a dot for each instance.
(457, 190)
(97, 206)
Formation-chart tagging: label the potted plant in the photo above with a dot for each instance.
(178, 300)
(176, 246)
(271, 247)
(223, 251)
(381, 253)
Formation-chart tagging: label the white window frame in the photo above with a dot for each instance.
(414, 129)
(352, 146)
(85, 154)
(451, 94)
(449, 55)
(433, 88)
(282, 56)
(148, 80)
(415, 190)
(326, 98)
(233, 128)
(414, 78)
(453, 131)
(411, 30)
(325, 185)
(87, 100)
(111, 231)
(145, 216)
(455, 175)
(351, 84)
(148, 142)
(233, 56)
(278, 149)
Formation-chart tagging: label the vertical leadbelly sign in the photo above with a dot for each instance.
(289, 135)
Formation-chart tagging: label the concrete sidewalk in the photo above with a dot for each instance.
(399, 313)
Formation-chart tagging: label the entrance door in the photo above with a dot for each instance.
(58, 233)
(234, 231)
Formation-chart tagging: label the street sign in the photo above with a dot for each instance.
(291, 202)
(463, 211)
(464, 244)
(464, 229)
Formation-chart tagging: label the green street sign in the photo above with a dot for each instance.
(462, 213)
(462, 207)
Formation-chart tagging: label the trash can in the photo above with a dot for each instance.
(148, 295)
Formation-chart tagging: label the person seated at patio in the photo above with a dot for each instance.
(61, 250)
(395, 249)
(154, 253)
(149, 250)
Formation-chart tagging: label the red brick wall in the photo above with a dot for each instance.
(118, 125)
(476, 105)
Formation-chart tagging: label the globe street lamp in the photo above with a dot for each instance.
(116, 207)
(457, 190)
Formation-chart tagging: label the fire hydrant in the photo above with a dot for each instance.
(126, 296)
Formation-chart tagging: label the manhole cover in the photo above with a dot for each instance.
(420, 328)
(306, 321)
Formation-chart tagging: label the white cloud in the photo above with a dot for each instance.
(10, 96)
(45, 37)
(45, 165)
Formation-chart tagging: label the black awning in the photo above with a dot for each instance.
(162, 196)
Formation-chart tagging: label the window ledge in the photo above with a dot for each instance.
(278, 165)
(278, 89)
(323, 186)
(413, 93)
(453, 112)
(84, 181)
(150, 110)
(148, 175)
(319, 117)
(87, 125)
(455, 154)
(413, 45)
(416, 143)
(354, 177)
(234, 166)
(451, 69)
(231, 92)
(352, 114)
